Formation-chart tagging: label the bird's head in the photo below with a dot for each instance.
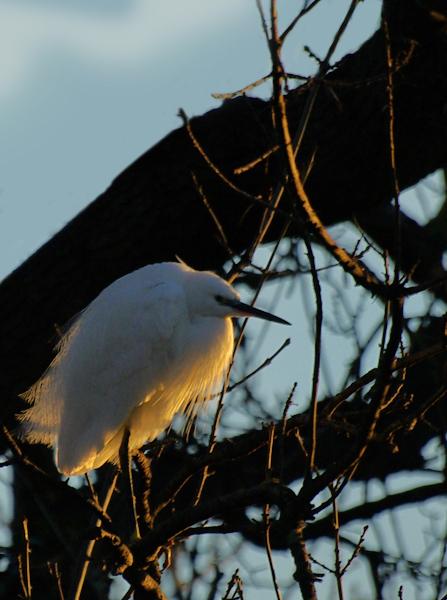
(209, 295)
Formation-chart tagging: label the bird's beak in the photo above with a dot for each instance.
(245, 310)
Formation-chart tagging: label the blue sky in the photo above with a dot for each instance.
(87, 86)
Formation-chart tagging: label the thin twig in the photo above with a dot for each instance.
(91, 544)
(268, 361)
(235, 582)
(209, 162)
(283, 431)
(250, 165)
(53, 569)
(129, 593)
(337, 562)
(223, 238)
(23, 561)
(244, 90)
(268, 549)
(392, 144)
(317, 356)
(356, 550)
(126, 472)
(266, 512)
(295, 20)
(206, 530)
(27, 556)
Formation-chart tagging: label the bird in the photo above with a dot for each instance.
(155, 342)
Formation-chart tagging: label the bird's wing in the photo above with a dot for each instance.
(118, 357)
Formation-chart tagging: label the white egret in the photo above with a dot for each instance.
(154, 343)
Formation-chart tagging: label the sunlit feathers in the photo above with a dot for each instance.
(154, 343)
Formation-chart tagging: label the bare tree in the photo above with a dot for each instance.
(339, 147)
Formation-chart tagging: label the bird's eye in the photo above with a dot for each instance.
(219, 298)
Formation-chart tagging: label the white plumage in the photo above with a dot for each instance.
(155, 342)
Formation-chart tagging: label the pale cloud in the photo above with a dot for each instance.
(31, 33)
